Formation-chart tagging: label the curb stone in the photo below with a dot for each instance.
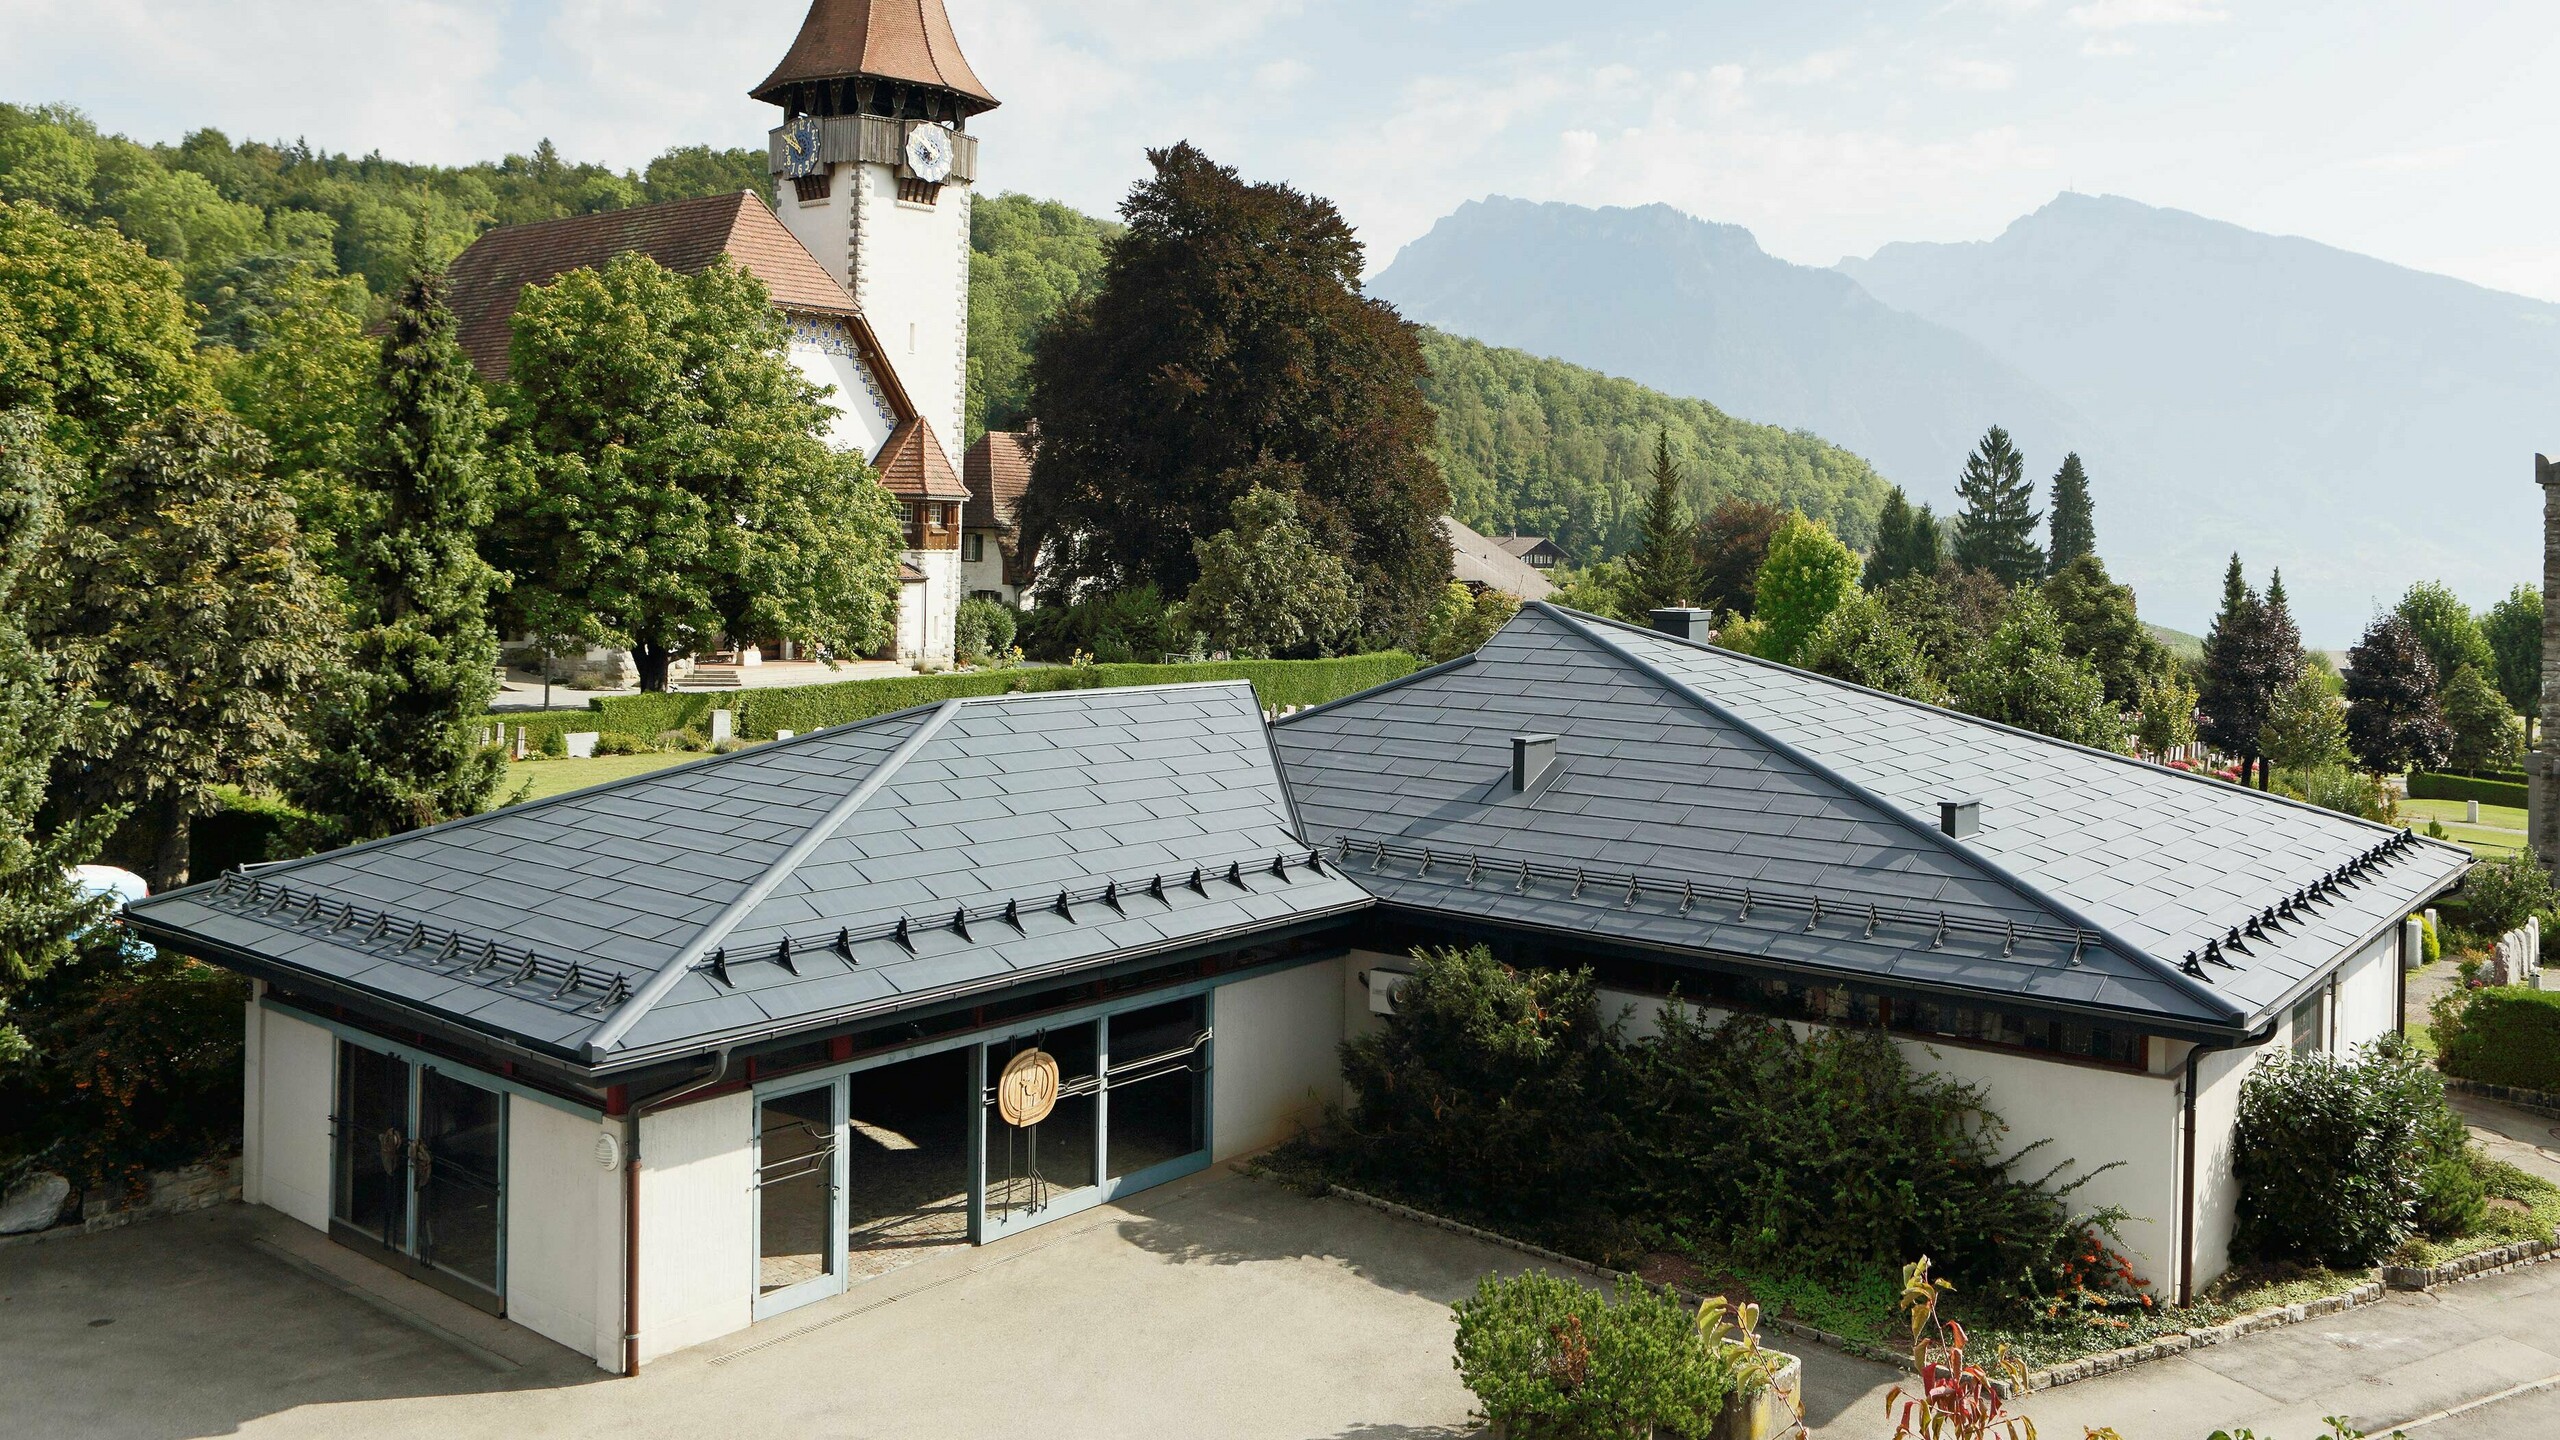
(2470, 1267)
(2538, 1102)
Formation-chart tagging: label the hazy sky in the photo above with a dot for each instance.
(2419, 132)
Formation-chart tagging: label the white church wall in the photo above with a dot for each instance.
(825, 354)
(911, 277)
(938, 615)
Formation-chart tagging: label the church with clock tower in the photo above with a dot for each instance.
(863, 243)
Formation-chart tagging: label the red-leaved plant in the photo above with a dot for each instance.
(1956, 1398)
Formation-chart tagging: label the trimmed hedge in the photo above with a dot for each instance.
(804, 708)
(2505, 1035)
(2430, 785)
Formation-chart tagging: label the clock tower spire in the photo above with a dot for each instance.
(873, 167)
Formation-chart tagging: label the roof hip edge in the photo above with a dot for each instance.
(680, 964)
(2165, 970)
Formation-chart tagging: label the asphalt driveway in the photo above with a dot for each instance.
(1217, 1306)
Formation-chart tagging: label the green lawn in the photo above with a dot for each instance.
(2500, 831)
(540, 779)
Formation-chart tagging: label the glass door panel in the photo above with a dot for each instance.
(456, 1165)
(372, 1181)
(1030, 1167)
(799, 1223)
(1156, 1089)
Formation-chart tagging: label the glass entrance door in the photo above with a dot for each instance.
(800, 1226)
(1132, 1110)
(420, 1173)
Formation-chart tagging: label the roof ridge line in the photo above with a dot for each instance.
(528, 807)
(680, 964)
(1990, 867)
(1971, 719)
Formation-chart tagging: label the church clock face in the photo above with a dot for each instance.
(929, 153)
(800, 148)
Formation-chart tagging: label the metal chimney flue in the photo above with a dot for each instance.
(1683, 622)
(1960, 818)
(1533, 758)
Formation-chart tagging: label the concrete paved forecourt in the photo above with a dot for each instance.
(1216, 1306)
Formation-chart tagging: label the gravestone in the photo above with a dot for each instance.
(581, 743)
(724, 725)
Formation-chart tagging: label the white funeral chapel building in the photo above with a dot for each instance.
(646, 1064)
(865, 246)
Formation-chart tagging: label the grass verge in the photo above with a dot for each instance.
(2522, 1206)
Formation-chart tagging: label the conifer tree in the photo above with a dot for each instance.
(2237, 695)
(2072, 524)
(395, 746)
(1995, 532)
(1662, 571)
(1907, 542)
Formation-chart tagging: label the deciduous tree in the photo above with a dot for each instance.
(94, 333)
(1266, 589)
(1996, 529)
(40, 910)
(1732, 545)
(2481, 723)
(2020, 676)
(395, 746)
(1862, 643)
(2447, 629)
(2513, 628)
(1463, 619)
(2101, 625)
(1806, 577)
(2393, 722)
(666, 478)
(1229, 336)
(178, 601)
(2306, 727)
(2166, 713)
(2072, 521)
(1662, 571)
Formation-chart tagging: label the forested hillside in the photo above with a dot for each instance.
(1534, 446)
(1529, 445)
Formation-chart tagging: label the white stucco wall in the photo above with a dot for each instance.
(937, 603)
(2368, 992)
(910, 274)
(859, 425)
(1275, 1058)
(2218, 1077)
(292, 1072)
(564, 1231)
(697, 1223)
(987, 574)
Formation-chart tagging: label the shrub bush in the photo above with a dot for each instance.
(983, 628)
(2335, 1157)
(135, 1067)
(2504, 1035)
(1121, 628)
(2502, 893)
(246, 829)
(1549, 1360)
(1502, 1096)
(2436, 785)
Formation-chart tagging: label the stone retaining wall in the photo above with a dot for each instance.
(165, 1192)
(2469, 1267)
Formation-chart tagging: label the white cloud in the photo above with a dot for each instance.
(1821, 67)
(2107, 45)
(1280, 76)
(2124, 14)
(1954, 74)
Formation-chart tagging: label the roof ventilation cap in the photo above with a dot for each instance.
(1681, 621)
(1533, 759)
(1960, 818)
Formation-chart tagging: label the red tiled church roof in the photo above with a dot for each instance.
(998, 470)
(908, 40)
(913, 466)
(684, 235)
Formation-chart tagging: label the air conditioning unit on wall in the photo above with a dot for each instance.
(1383, 985)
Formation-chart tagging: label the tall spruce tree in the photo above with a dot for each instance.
(2071, 523)
(1662, 571)
(1907, 541)
(2274, 658)
(1996, 530)
(394, 748)
(40, 910)
(2233, 701)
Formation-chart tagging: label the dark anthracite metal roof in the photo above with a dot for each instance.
(1687, 766)
(736, 896)
(1705, 802)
